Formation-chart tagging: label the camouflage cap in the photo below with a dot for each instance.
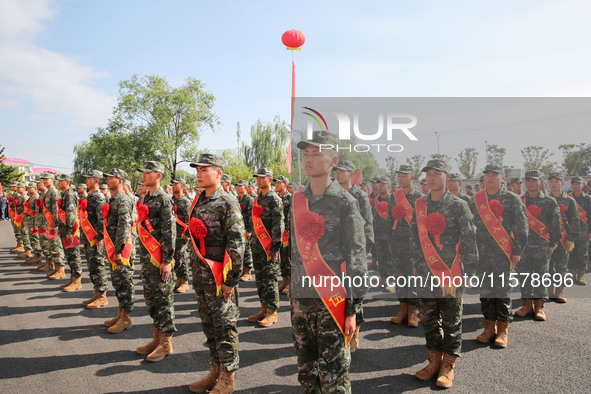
(493, 168)
(20, 184)
(556, 175)
(227, 178)
(481, 178)
(455, 177)
(282, 178)
(469, 187)
(436, 164)
(423, 181)
(104, 186)
(383, 179)
(208, 159)
(405, 169)
(242, 182)
(394, 184)
(322, 139)
(178, 180)
(516, 180)
(588, 183)
(13, 184)
(576, 179)
(264, 172)
(94, 174)
(533, 174)
(82, 186)
(374, 180)
(117, 173)
(152, 166)
(47, 175)
(128, 183)
(32, 184)
(345, 165)
(64, 177)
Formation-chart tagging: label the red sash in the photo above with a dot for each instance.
(261, 232)
(493, 225)
(10, 212)
(535, 224)
(62, 215)
(582, 213)
(18, 219)
(29, 211)
(402, 200)
(150, 243)
(110, 247)
(87, 228)
(285, 238)
(180, 223)
(434, 261)
(316, 267)
(48, 216)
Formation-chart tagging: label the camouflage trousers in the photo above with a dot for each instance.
(534, 261)
(44, 242)
(134, 238)
(218, 320)
(580, 254)
(181, 259)
(382, 253)
(247, 261)
(96, 264)
(17, 232)
(158, 296)
(558, 264)
(496, 309)
(122, 279)
(73, 258)
(441, 319)
(323, 359)
(56, 250)
(402, 267)
(30, 240)
(266, 272)
(285, 264)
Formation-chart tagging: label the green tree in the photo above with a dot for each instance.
(268, 147)
(391, 167)
(496, 155)
(575, 158)
(466, 161)
(537, 158)
(8, 174)
(416, 162)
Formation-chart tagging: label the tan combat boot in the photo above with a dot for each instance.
(413, 316)
(355, 340)
(446, 373)
(34, 260)
(18, 249)
(123, 323)
(286, 290)
(246, 274)
(149, 348)
(63, 285)
(432, 368)
(526, 310)
(489, 331)
(402, 315)
(60, 272)
(114, 320)
(86, 302)
(559, 294)
(539, 310)
(225, 384)
(283, 283)
(260, 315)
(99, 301)
(502, 333)
(75, 284)
(163, 349)
(581, 278)
(183, 286)
(270, 318)
(208, 382)
(48, 266)
(26, 254)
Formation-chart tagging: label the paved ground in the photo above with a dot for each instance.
(50, 343)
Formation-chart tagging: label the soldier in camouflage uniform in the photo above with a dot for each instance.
(95, 255)
(517, 184)
(245, 202)
(250, 190)
(579, 255)
(495, 297)
(321, 342)
(441, 308)
(19, 248)
(424, 187)
(31, 240)
(569, 222)
(134, 236)
(382, 228)
(281, 183)
(19, 208)
(182, 204)
(66, 230)
(82, 191)
(226, 183)
(454, 185)
(535, 259)
(400, 247)
(156, 275)
(105, 190)
(38, 222)
(343, 174)
(27, 221)
(219, 213)
(266, 262)
(118, 216)
(56, 249)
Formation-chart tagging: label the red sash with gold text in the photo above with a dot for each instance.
(87, 228)
(261, 232)
(144, 230)
(582, 213)
(402, 200)
(535, 224)
(110, 247)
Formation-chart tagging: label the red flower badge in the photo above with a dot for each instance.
(534, 210)
(10, 199)
(84, 204)
(382, 208)
(199, 231)
(16, 203)
(257, 211)
(175, 208)
(312, 228)
(26, 205)
(59, 203)
(562, 208)
(142, 212)
(105, 211)
(497, 208)
(398, 213)
(436, 225)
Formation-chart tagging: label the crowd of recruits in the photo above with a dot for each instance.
(393, 242)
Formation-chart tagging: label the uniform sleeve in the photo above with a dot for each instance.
(53, 209)
(573, 228)
(168, 230)
(248, 215)
(277, 225)
(554, 216)
(355, 255)
(234, 228)
(365, 210)
(468, 240)
(98, 211)
(123, 224)
(416, 252)
(71, 209)
(520, 227)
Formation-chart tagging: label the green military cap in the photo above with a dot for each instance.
(242, 182)
(32, 184)
(556, 175)
(423, 181)
(128, 183)
(374, 180)
(82, 186)
(152, 166)
(588, 183)
(455, 177)
(64, 177)
(576, 179)
(405, 169)
(394, 184)
(47, 175)
(469, 187)
(383, 179)
(94, 174)
(118, 173)
(208, 159)
(493, 168)
(345, 165)
(104, 186)
(264, 172)
(178, 180)
(482, 178)
(533, 174)
(282, 178)
(20, 184)
(436, 164)
(516, 180)
(227, 178)
(13, 184)
(322, 139)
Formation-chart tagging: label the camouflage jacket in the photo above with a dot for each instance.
(570, 217)
(21, 198)
(365, 211)
(82, 197)
(94, 208)
(119, 221)
(50, 201)
(401, 234)
(460, 227)
(246, 209)
(343, 241)
(272, 219)
(70, 207)
(514, 222)
(382, 227)
(584, 201)
(286, 199)
(30, 220)
(220, 213)
(550, 217)
(182, 206)
(162, 218)
(464, 197)
(39, 218)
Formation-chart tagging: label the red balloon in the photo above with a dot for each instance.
(293, 39)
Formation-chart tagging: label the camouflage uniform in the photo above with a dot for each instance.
(181, 252)
(579, 256)
(15, 228)
(285, 252)
(323, 359)
(70, 207)
(119, 223)
(56, 249)
(382, 230)
(495, 299)
(220, 213)
(134, 236)
(41, 222)
(570, 222)
(27, 222)
(266, 270)
(246, 210)
(34, 243)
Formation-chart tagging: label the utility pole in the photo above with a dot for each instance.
(437, 135)
(238, 135)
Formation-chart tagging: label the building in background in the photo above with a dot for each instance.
(26, 167)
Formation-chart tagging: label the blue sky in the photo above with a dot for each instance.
(62, 60)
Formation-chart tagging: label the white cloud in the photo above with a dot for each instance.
(51, 84)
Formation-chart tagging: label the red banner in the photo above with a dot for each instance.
(261, 232)
(582, 213)
(535, 224)
(87, 228)
(402, 200)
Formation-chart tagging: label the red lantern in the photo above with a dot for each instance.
(293, 39)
